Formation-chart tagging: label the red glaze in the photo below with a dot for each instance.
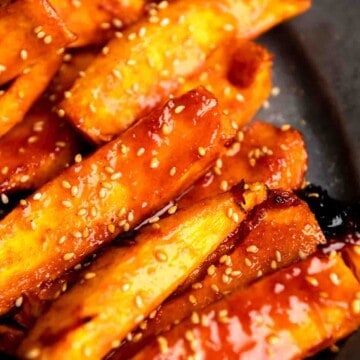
(265, 154)
(286, 315)
(110, 192)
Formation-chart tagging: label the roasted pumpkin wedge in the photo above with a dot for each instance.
(17, 99)
(39, 31)
(36, 150)
(95, 21)
(277, 233)
(125, 284)
(287, 315)
(110, 192)
(264, 153)
(131, 77)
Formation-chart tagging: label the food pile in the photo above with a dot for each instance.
(144, 216)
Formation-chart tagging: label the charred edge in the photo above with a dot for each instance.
(337, 219)
(276, 199)
(48, 338)
(237, 191)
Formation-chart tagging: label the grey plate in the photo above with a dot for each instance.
(317, 64)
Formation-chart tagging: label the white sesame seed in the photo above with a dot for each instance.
(37, 196)
(68, 256)
(4, 199)
(19, 301)
(48, 39)
(201, 151)
(154, 163)
(179, 109)
(23, 54)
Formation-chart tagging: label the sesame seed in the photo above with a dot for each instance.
(61, 112)
(201, 151)
(4, 170)
(37, 196)
(197, 286)
(74, 190)
(166, 130)
(62, 239)
(115, 344)
(215, 288)
(273, 339)
(192, 299)
(153, 220)
(235, 217)
(224, 185)
(68, 256)
(273, 264)
(211, 270)
(117, 23)
(116, 176)
(102, 193)
(140, 152)
(312, 281)
(275, 91)
(205, 321)
(24, 178)
(154, 163)
(161, 256)
(111, 228)
(335, 279)
(77, 234)
(23, 54)
(225, 279)
(19, 301)
(137, 337)
(179, 109)
(48, 39)
(125, 287)
(66, 203)
(153, 314)
(89, 275)
(173, 171)
(195, 318)
(172, 210)
(4, 199)
(285, 127)
(248, 262)
(33, 353)
(355, 306)
(163, 344)
(138, 301)
(252, 249)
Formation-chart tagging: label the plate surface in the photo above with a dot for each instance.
(317, 69)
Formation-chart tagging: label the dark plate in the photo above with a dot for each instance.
(317, 64)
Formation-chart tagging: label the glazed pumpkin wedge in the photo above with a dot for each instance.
(18, 98)
(275, 234)
(132, 76)
(257, 16)
(39, 31)
(263, 153)
(95, 21)
(239, 77)
(110, 192)
(125, 284)
(287, 315)
(36, 150)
